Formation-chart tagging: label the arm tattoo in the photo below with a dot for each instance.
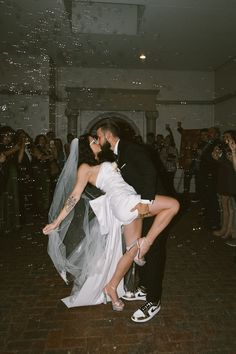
(70, 203)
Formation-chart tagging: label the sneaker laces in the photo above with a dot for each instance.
(142, 289)
(147, 306)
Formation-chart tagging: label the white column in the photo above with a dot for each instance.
(151, 117)
(72, 121)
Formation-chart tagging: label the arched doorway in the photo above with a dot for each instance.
(128, 129)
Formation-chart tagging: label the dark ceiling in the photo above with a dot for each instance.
(173, 34)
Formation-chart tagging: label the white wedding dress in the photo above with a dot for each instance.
(101, 249)
(120, 196)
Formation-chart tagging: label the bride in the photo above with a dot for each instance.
(97, 263)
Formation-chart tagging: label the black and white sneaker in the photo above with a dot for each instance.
(146, 312)
(139, 294)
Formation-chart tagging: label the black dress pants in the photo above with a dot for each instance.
(152, 273)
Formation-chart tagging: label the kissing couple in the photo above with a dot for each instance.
(87, 247)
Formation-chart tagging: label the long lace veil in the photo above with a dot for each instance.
(78, 239)
(65, 182)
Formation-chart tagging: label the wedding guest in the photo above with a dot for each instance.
(42, 156)
(9, 198)
(25, 178)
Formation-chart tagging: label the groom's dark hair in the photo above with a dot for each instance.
(110, 125)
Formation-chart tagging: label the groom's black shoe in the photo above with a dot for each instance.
(146, 312)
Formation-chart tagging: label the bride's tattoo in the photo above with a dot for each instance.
(70, 203)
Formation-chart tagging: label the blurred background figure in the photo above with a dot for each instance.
(138, 139)
(150, 141)
(42, 156)
(169, 156)
(25, 178)
(159, 142)
(232, 145)
(188, 161)
(61, 157)
(9, 191)
(226, 186)
(208, 169)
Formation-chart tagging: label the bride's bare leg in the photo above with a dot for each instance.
(165, 208)
(131, 233)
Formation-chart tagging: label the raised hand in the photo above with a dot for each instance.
(232, 145)
(216, 153)
(2, 158)
(49, 228)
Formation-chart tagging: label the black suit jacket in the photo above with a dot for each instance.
(137, 168)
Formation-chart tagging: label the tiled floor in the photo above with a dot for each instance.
(198, 312)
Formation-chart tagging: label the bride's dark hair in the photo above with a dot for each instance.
(85, 152)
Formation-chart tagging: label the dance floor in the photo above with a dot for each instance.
(198, 312)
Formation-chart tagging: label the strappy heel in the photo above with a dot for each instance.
(139, 261)
(143, 241)
(117, 305)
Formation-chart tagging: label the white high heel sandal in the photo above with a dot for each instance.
(137, 259)
(117, 305)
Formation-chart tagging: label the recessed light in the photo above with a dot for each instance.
(142, 56)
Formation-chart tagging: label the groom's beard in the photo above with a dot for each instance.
(106, 147)
(106, 153)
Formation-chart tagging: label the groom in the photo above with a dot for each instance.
(138, 169)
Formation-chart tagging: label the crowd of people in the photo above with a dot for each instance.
(39, 176)
(29, 169)
(211, 162)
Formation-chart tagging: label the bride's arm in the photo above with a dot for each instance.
(81, 182)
